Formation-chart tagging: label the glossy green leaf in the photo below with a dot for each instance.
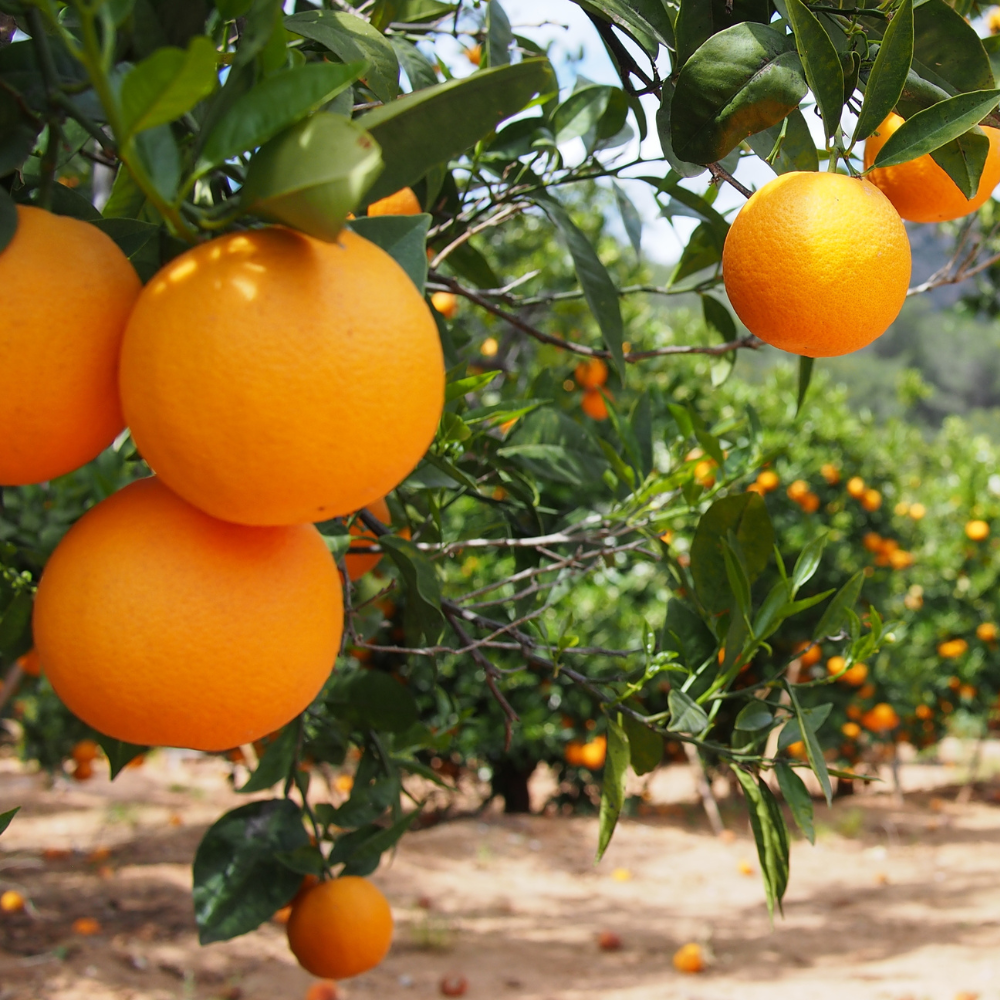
(15, 626)
(18, 132)
(167, 84)
(613, 790)
(402, 237)
(698, 20)
(641, 422)
(687, 635)
(352, 39)
(836, 611)
(809, 560)
(555, 448)
(499, 36)
(770, 835)
(361, 850)
(631, 219)
(312, 175)
(598, 288)
(992, 46)
(947, 50)
(138, 240)
(119, 753)
(808, 725)
(806, 366)
(645, 745)
(754, 715)
(436, 124)
(888, 75)
(787, 146)
(6, 817)
(383, 702)
(963, 159)
(718, 318)
(820, 61)
(679, 166)
(238, 881)
(745, 515)
(418, 68)
(274, 104)
(423, 591)
(160, 156)
(580, 112)
(797, 798)
(686, 715)
(8, 220)
(740, 81)
(930, 129)
(263, 20)
(646, 20)
(276, 762)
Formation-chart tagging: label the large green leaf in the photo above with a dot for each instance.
(423, 591)
(119, 753)
(499, 36)
(167, 84)
(798, 799)
(18, 132)
(613, 792)
(964, 158)
(686, 715)
(644, 744)
(823, 69)
(276, 762)
(796, 149)
(698, 20)
(770, 835)
(274, 104)
(836, 611)
(580, 112)
(555, 448)
(382, 702)
(646, 20)
(352, 39)
(238, 881)
(745, 515)
(402, 237)
(687, 635)
(888, 75)
(679, 166)
(436, 124)
(740, 81)
(931, 128)
(947, 50)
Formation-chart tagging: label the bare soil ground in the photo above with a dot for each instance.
(895, 902)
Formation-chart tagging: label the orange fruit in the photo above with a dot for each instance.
(856, 675)
(271, 378)
(453, 986)
(768, 480)
(30, 663)
(689, 958)
(326, 989)
(474, 54)
(917, 511)
(881, 718)
(856, 487)
(924, 712)
(401, 202)
(952, 649)
(830, 473)
(593, 404)
(871, 500)
(987, 632)
(919, 189)
(85, 750)
(609, 941)
(798, 750)
(593, 754)
(68, 292)
(358, 563)
(817, 263)
(488, 349)
(978, 531)
(340, 928)
(797, 490)
(83, 770)
(851, 730)
(11, 901)
(900, 559)
(446, 303)
(591, 374)
(704, 473)
(86, 926)
(161, 625)
(809, 502)
(809, 654)
(872, 541)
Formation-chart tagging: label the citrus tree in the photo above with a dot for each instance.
(282, 380)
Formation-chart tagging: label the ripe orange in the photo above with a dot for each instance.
(851, 730)
(856, 487)
(978, 531)
(917, 511)
(85, 750)
(704, 472)
(86, 926)
(271, 378)
(872, 541)
(401, 202)
(817, 263)
(871, 500)
(474, 54)
(919, 189)
(987, 632)
(952, 649)
(11, 901)
(67, 294)
(161, 625)
(340, 928)
(881, 718)
(591, 374)
(924, 712)
(797, 490)
(830, 473)
(488, 349)
(83, 770)
(768, 480)
(30, 663)
(446, 303)
(809, 502)
(809, 654)
(689, 958)
(359, 563)
(901, 559)
(326, 989)
(593, 404)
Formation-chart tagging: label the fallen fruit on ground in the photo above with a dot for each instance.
(11, 901)
(817, 263)
(920, 190)
(689, 958)
(454, 986)
(271, 378)
(324, 990)
(609, 941)
(68, 292)
(340, 928)
(86, 926)
(260, 609)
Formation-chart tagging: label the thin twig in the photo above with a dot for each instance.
(719, 173)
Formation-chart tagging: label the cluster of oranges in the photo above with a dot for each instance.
(590, 755)
(591, 376)
(887, 551)
(869, 497)
(818, 264)
(799, 493)
(270, 380)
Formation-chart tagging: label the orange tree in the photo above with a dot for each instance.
(194, 125)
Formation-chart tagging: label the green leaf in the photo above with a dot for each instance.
(8, 220)
(718, 318)
(352, 39)
(681, 167)
(15, 626)
(472, 383)
(931, 128)
(702, 250)
(418, 68)
(823, 69)
(18, 132)
(805, 377)
(808, 561)
(687, 635)
(368, 802)
(312, 175)
(992, 46)
(168, 84)
(439, 123)
(238, 881)
(744, 514)
(423, 592)
(888, 75)
(383, 702)
(645, 745)
(274, 104)
(808, 725)
(631, 219)
(770, 835)
(499, 36)
(263, 21)
(598, 288)
(754, 715)
(963, 159)
(947, 50)
(118, 753)
(161, 157)
(139, 241)
(836, 611)
(787, 146)
(641, 421)
(402, 237)
(276, 762)
(613, 791)
(740, 81)
(580, 112)
(6, 817)
(686, 715)
(361, 850)
(645, 20)
(698, 20)
(797, 797)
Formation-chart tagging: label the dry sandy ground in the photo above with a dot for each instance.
(894, 902)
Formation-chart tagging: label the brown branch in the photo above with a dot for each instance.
(720, 173)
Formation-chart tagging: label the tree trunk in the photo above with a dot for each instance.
(510, 780)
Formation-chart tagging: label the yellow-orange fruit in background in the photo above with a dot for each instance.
(986, 631)
(978, 531)
(67, 294)
(271, 378)
(768, 480)
(594, 405)
(359, 563)
(917, 511)
(809, 653)
(30, 663)
(474, 54)
(161, 625)
(856, 487)
(85, 750)
(924, 712)
(326, 989)
(340, 928)
(809, 502)
(871, 500)
(919, 189)
(401, 202)
(817, 263)
(11, 901)
(689, 958)
(952, 649)
(591, 374)
(881, 718)
(445, 303)
(830, 473)
(798, 489)
(851, 730)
